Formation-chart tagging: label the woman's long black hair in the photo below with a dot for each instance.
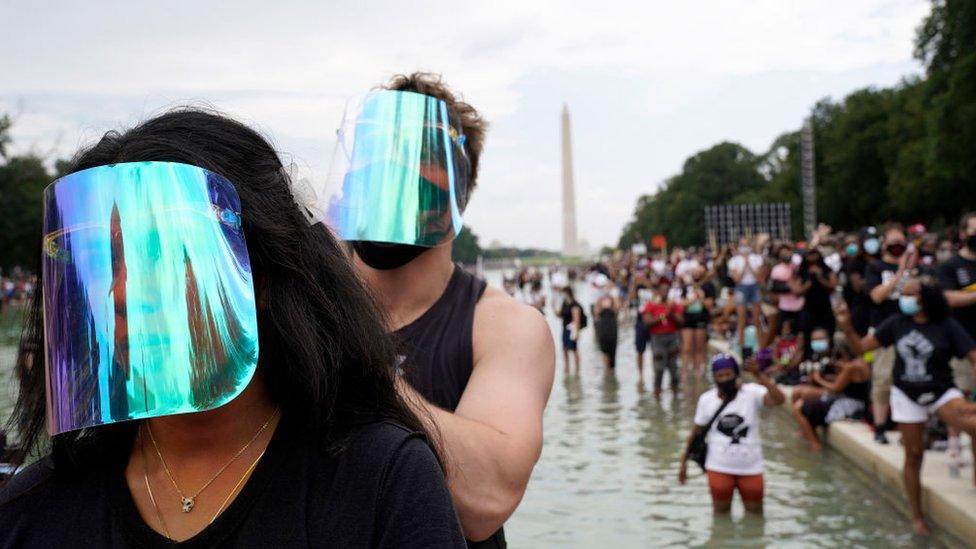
(932, 299)
(326, 357)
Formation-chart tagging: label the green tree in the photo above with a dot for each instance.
(4, 134)
(715, 176)
(22, 182)
(466, 249)
(946, 43)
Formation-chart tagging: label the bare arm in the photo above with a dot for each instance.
(774, 397)
(859, 345)
(683, 468)
(801, 343)
(958, 298)
(494, 437)
(881, 292)
(837, 384)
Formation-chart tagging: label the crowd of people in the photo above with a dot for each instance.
(16, 287)
(876, 325)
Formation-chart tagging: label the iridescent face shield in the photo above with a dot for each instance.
(148, 301)
(400, 174)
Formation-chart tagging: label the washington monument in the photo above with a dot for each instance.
(570, 244)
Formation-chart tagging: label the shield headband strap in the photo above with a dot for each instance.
(400, 173)
(149, 306)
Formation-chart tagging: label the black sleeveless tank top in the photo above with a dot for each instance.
(436, 350)
(437, 353)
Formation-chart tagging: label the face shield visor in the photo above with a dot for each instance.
(399, 174)
(149, 306)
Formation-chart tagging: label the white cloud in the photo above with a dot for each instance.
(79, 69)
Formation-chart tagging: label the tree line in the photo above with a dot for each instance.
(906, 153)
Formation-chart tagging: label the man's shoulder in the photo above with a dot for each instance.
(502, 322)
(498, 308)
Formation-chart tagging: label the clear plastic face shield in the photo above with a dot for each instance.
(399, 174)
(149, 306)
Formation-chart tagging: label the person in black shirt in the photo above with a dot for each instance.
(477, 362)
(957, 276)
(925, 337)
(884, 280)
(856, 261)
(319, 449)
(571, 313)
(817, 282)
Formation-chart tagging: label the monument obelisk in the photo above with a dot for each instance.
(570, 244)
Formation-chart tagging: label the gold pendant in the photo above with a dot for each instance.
(187, 504)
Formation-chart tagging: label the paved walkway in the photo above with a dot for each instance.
(948, 502)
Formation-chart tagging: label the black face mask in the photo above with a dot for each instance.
(385, 257)
(971, 242)
(896, 249)
(728, 388)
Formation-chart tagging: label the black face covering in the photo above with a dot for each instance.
(971, 242)
(385, 257)
(728, 388)
(897, 249)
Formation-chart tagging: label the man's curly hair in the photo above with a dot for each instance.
(473, 125)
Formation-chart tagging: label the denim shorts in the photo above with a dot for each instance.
(747, 294)
(568, 343)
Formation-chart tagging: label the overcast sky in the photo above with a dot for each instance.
(648, 83)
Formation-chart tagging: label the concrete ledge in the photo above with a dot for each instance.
(948, 502)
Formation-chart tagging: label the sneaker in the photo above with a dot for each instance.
(879, 437)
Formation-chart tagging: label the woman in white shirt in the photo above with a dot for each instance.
(730, 412)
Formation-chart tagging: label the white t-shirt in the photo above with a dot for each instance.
(738, 265)
(644, 296)
(734, 443)
(659, 266)
(685, 266)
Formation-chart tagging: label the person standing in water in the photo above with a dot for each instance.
(730, 411)
(605, 323)
(925, 338)
(474, 360)
(663, 320)
(572, 316)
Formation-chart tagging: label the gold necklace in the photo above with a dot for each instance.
(152, 498)
(188, 502)
(159, 514)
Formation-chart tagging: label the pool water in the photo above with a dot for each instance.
(608, 474)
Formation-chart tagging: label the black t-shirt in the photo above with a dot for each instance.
(922, 354)
(859, 303)
(959, 273)
(816, 302)
(384, 489)
(566, 313)
(877, 273)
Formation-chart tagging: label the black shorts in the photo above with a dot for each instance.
(816, 411)
(696, 321)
